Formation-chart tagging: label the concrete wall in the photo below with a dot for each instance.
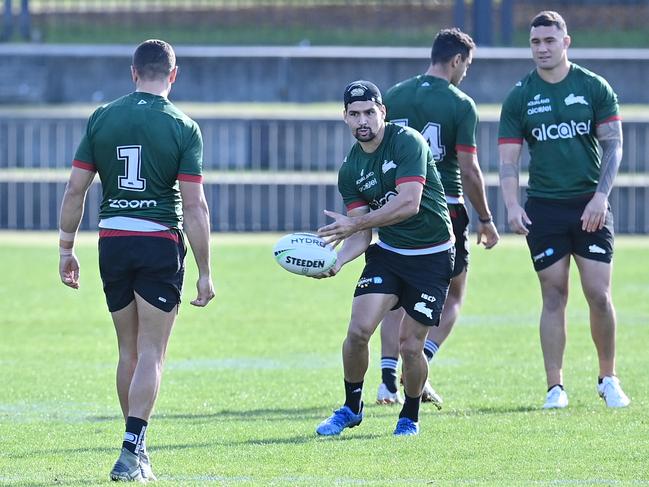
(68, 74)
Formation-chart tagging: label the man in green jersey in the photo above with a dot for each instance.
(565, 113)
(149, 158)
(447, 118)
(388, 180)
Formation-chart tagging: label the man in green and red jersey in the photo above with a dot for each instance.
(149, 158)
(388, 181)
(562, 111)
(447, 118)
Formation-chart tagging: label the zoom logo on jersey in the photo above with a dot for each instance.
(376, 204)
(133, 204)
(565, 130)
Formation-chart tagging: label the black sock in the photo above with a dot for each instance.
(389, 372)
(410, 408)
(552, 387)
(134, 434)
(353, 394)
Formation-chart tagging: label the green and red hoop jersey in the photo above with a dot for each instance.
(371, 180)
(444, 115)
(142, 145)
(559, 121)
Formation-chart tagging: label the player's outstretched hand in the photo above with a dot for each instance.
(487, 234)
(341, 228)
(205, 290)
(69, 270)
(330, 273)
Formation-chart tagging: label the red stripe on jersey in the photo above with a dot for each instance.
(505, 140)
(612, 118)
(408, 179)
(108, 232)
(356, 204)
(190, 178)
(471, 149)
(88, 166)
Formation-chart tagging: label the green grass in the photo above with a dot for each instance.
(249, 378)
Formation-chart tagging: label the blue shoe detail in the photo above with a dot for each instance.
(341, 418)
(406, 427)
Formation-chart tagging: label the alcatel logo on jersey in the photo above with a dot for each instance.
(538, 105)
(565, 130)
(133, 204)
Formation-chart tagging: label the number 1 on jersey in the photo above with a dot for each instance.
(132, 156)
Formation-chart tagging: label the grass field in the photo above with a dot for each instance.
(249, 378)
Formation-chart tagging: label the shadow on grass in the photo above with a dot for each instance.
(265, 414)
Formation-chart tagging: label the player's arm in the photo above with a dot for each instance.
(473, 184)
(197, 227)
(400, 207)
(353, 246)
(69, 220)
(509, 173)
(609, 135)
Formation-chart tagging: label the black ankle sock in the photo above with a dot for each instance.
(410, 408)
(353, 394)
(135, 430)
(389, 373)
(555, 385)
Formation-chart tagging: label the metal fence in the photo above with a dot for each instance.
(261, 174)
(611, 23)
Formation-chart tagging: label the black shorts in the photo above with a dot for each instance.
(460, 221)
(556, 232)
(153, 267)
(419, 281)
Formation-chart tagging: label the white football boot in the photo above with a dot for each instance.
(429, 395)
(384, 396)
(556, 398)
(612, 393)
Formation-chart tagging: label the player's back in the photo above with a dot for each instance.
(444, 115)
(139, 144)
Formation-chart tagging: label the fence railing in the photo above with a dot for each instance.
(261, 174)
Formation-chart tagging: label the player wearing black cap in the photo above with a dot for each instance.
(388, 181)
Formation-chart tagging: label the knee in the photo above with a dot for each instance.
(410, 350)
(358, 335)
(599, 300)
(555, 297)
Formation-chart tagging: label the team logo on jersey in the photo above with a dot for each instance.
(565, 130)
(538, 105)
(571, 99)
(141, 102)
(387, 165)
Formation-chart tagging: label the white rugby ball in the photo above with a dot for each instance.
(304, 253)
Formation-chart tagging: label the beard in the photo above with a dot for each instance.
(364, 138)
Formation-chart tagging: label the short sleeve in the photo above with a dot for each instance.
(348, 190)
(412, 154)
(191, 160)
(83, 157)
(510, 128)
(466, 128)
(605, 104)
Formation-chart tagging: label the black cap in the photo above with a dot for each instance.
(362, 90)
